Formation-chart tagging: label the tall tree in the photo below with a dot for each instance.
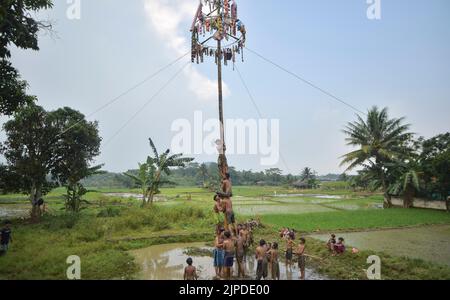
(379, 140)
(12, 89)
(434, 160)
(28, 150)
(17, 25)
(74, 149)
(274, 175)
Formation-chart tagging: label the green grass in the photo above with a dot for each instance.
(39, 251)
(360, 219)
(110, 226)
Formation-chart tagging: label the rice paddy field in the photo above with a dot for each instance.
(113, 225)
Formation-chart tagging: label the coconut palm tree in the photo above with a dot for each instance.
(203, 173)
(379, 140)
(308, 176)
(407, 183)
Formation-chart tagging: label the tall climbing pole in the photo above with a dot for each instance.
(217, 20)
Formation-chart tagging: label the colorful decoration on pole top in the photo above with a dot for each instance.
(217, 20)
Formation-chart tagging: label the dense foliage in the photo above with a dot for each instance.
(38, 143)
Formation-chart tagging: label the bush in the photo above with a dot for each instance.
(109, 212)
(63, 221)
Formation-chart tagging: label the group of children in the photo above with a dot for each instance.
(229, 248)
(293, 249)
(336, 247)
(232, 243)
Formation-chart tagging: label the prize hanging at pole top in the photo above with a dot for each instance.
(217, 20)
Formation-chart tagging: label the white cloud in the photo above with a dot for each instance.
(171, 20)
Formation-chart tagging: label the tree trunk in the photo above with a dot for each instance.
(387, 201)
(154, 188)
(144, 198)
(408, 198)
(387, 198)
(35, 195)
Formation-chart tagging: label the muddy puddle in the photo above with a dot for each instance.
(167, 262)
(430, 243)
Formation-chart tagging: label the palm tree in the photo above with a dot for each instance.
(380, 140)
(203, 172)
(162, 165)
(308, 176)
(307, 173)
(407, 183)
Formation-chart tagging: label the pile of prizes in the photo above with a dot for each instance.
(223, 25)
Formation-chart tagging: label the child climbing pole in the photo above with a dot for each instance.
(214, 34)
(216, 21)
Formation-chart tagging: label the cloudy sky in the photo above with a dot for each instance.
(401, 61)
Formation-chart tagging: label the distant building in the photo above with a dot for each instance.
(300, 184)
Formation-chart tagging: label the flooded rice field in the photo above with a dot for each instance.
(167, 262)
(14, 211)
(280, 209)
(133, 196)
(430, 243)
(318, 196)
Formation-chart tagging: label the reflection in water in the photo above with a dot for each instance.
(167, 262)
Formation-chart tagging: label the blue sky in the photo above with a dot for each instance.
(401, 61)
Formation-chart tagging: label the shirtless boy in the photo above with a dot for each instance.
(246, 237)
(240, 254)
(228, 246)
(218, 209)
(289, 251)
(275, 269)
(301, 258)
(261, 257)
(229, 214)
(190, 272)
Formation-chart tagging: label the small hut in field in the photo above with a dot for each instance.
(300, 184)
